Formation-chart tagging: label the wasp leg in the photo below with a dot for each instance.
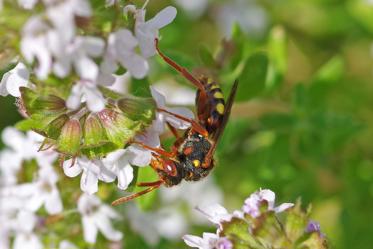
(157, 150)
(173, 130)
(133, 196)
(180, 69)
(195, 126)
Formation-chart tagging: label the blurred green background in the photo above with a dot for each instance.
(302, 122)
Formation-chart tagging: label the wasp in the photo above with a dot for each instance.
(191, 156)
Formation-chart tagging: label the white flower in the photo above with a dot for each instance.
(46, 192)
(79, 52)
(63, 16)
(34, 45)
(215, 213)
(250, 16)
(65, 244)
(147, 31)
(96, 217)
(27, 4)
(92, 171)
(120, 161)
(152, 225)
(208, 241)
(162, 118)
(13, 80)
(86, 91)
(194, 8)
(253, 203)
(121, 48)
(25, 238)
(22, 147)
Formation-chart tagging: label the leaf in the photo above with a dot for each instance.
(253, 77)
(206, 57)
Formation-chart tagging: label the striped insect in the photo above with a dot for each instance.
(191, 157)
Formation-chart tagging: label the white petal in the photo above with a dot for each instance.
(89, 229)
(269, 196)
(86, 68)
(89, 182)
(215, 213)
(139, 156)
(178, 123)
(95, 100)
(27, 4)
(283, 207)
(194, 241)
(13, 138)
(27, 241)
(62, 66)
(74, 100)
(159, 98)
(15, 79)
(104, 225)
(65, 244)
(136, 65)
(93, 46)
(163, 18)
(125, 177)
(53, 202)
(71, 170)
(36, 201)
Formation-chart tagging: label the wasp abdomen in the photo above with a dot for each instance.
(211, 110)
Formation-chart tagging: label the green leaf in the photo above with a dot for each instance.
(206, 57)
(253, 77)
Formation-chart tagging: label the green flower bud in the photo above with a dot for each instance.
(119, 129)
(69, 140)
(93, 132)
(53, 130)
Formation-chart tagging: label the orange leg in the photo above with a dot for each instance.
(180, 69)
(173, 130)
(133, 196)
(195, 126)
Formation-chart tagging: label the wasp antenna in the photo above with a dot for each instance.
(184, 72)
(133, 196)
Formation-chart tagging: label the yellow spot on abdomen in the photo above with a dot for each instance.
(218, 95)
(196, 163)
(220, 108)
(214, 86)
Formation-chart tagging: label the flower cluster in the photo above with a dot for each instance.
(258, 225)
(88, 124)
(22, 198)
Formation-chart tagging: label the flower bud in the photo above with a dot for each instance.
(69, 140)
(142, 109)
(119, 129)
(94, 133)
(53, 130)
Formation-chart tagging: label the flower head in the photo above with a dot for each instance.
(14, 79)
(96, 217)
(208, 241)
(253, 203)
(92, 171)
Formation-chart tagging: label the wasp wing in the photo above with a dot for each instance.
(228, 106)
